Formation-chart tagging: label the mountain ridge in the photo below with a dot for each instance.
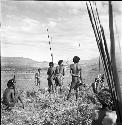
(27, 62)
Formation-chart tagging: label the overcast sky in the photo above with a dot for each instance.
(25, 23)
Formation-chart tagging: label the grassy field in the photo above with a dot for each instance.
(42, 108)
(25, 79)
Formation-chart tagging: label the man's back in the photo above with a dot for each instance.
(75, 68)
(59, 70)
(8, 96)
(50, 71)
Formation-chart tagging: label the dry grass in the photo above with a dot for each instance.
(42, 108)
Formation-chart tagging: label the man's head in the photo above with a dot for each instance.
(51, 64)
(60, 62)
(76, 59)
(39, 70)
(10, 84)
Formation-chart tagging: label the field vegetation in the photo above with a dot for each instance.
(42, 108)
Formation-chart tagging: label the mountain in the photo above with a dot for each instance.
(26, 63)
(84, 62)
(22, 62)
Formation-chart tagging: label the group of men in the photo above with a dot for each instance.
(10, 97)
(56, 75)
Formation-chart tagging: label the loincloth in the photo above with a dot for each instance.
(75, 81)
(50, 80)
(58, 79)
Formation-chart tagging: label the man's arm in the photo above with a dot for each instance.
(63, 71)
(48, 71)
(19, 98)
(70, 69)
(21, 101)
(81, 74)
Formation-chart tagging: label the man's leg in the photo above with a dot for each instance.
(61, 84)
(56, 84)
(19, 98)
(5, 106)
(49, 85)
(69, 91)
(36, 82)
(52, 86)
(76, 94)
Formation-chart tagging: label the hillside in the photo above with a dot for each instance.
(20, 62)
(26, 62)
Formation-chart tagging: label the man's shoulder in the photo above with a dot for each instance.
(11, 90)
(57, 67)
(7, 90)
(53, 68)
(79, 66)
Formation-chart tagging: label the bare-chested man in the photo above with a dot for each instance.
(37, 78)
(75, 71)
(10, 96)
(59, 73)
(50, 73)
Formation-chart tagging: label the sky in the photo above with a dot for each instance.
(24, 29)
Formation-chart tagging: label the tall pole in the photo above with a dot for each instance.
(50, 42)
(113, 61)
(99, 64)
(51, 51)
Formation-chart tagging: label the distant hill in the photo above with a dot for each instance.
(85, 62)
(26, 63)
(13, 62)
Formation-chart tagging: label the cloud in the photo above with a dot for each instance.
(24, 27)
(52, 24)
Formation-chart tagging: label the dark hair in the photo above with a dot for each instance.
(51, 64)
(10, 83)
(60, 61)
(76, 59)
(39, 69)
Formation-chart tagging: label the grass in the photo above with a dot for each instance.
(42, 108)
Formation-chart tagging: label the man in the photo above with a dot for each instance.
(50, 78)
(37, 77)
(10, 96)
(75, 71)
(39, 71)
(59, 73)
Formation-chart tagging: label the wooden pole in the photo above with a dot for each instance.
(113, 62)
(99, 64)
(50, 42)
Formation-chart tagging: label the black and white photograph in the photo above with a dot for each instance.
(61, 62)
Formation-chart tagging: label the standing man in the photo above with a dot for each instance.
(59, 73)
(75, 71)
(37, 78)
(39, 71)
(50, 73)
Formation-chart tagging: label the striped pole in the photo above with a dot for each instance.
(50, 41)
